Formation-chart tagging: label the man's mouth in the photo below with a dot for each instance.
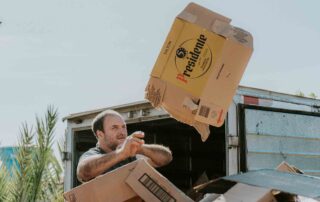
(121, 138)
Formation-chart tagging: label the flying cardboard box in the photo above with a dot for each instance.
(199, 68)
(132, 182)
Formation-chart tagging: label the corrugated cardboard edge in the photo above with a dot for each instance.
(165, 95)
(202, 128)
(154, 91)
(147, 182)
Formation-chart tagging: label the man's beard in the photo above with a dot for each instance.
(118, 141)
(113, 146)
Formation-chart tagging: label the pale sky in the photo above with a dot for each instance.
(82, 55)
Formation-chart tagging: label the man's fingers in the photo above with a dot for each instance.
(135, 146)
(138, 134)
(138, 141)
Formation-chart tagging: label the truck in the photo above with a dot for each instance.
(262, 129)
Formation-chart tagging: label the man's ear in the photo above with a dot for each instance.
(99, 134)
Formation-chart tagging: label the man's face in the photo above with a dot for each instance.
(115, 131)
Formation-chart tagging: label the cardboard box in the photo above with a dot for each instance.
(247, 193)
(132, 182)
(286, 183)
(108, 187)
(285, 167)
(150, 185)
(199, 68)
(213, 198)
(241, 193)
(262, 194)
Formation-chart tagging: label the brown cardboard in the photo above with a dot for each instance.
(108, 187)
(150, 185)
(261, 191)
(246, 193)
(199, 68)
(127, 183)
(285, 167)
(213, 198)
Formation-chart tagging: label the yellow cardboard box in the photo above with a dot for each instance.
(199, 68)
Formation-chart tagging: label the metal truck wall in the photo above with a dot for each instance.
(273, 136)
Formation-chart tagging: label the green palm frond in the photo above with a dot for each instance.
(53, 179)
(42, 153)
(21, 170)
(37, 175)
(4, 182)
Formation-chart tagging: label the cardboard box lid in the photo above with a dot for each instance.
(216, 23)
(150, 185)
(201, 16)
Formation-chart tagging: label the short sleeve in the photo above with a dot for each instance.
(90, 152)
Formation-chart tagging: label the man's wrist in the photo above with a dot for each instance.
(142, 149)
(120, 153)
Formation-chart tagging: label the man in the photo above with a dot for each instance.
(115, 148)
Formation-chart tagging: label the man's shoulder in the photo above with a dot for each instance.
(92, 151)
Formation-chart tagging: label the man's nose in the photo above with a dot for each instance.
(123, 130)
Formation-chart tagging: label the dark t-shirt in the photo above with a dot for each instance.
(98, 150)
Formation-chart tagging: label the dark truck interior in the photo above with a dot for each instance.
(194, 162)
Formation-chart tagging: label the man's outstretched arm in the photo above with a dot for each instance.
(157, 155)
(95, 165)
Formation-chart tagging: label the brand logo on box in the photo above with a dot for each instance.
(193, 58)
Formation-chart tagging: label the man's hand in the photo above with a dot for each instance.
(132, 145)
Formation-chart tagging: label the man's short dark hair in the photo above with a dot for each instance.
(97, 123)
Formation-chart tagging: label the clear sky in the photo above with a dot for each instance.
(82, 55)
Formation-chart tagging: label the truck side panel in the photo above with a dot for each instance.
(272, 136)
